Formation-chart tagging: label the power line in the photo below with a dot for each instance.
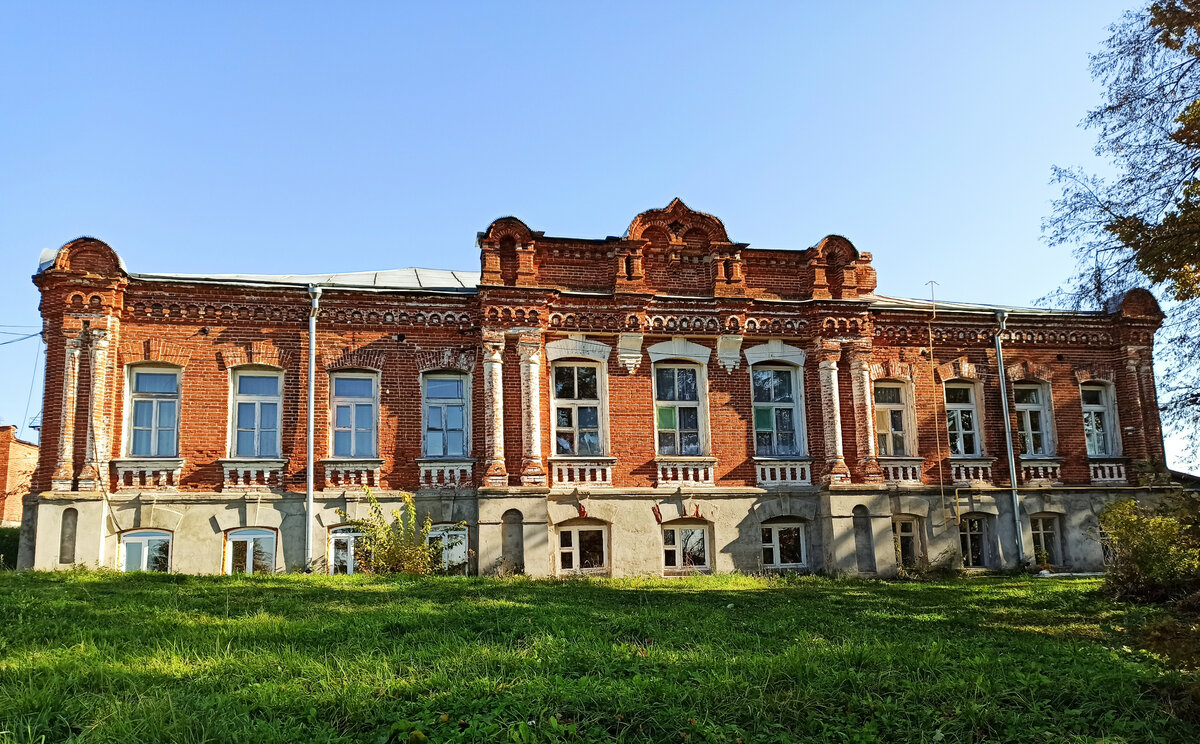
(14, 340)
(32, 381)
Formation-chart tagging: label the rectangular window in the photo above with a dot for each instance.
(577, 410)
(250, 551)
(353, 404)
(685, 548)
(677, 409)
(783, 545)
(450, 543)
(962, 426)
(776, 411)
(970, 535)
(1032, 417)
(1045, 540)
(342, 549)
(154, 404)
(446, 415)
(907, 541)
(1098, 420)
(582, 550)
(256, 414)
(889, 419)
(146, 551)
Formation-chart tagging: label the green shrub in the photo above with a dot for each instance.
(1155, 555)
(396, 546)
(10, 537)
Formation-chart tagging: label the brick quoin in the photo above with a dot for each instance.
(674, 274)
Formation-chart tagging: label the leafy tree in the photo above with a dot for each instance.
(1141, 224)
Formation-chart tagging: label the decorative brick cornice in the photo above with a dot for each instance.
(258, 352)
(153, 350)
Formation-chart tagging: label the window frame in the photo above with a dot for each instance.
(464, 401)
(232, 536)
(236, 398)
(1054, 554)
(573, 549)
(599, 403)
(132, 397)
(917, 538)
(677, 548)
(701, 403)
(984, 537)
(1044, 406)
(1108, 407)
(907, 418)
(799, 415)
(973, 407)
(442, 530)
(773, 545)
(143, 536)
(353, 402)
(350, 534)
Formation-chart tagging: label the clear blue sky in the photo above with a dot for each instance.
(293, 138)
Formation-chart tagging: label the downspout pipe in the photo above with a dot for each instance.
(1001, 317)
(314, 294)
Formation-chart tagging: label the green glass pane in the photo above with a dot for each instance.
(666, 417)
(762, 419)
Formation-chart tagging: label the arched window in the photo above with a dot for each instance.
(446, 414)
(256, 406)
(686, 547)
(583, 547)
(153, 428)
(66, 535)
(1100, 419)
(451, 542)
(784, 543)
(343, 549)
(355, 405)
(864, 540)
(250, 551)
(146, 550)
(512, 543)
(1034, 428)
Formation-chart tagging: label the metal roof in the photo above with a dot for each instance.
(901, 303)
(429, 280)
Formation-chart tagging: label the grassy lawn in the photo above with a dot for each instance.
(104, 657)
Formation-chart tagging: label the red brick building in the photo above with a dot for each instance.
(17, 461)
(659, 402)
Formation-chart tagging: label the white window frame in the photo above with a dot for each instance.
(701, 404)
(1038, 533)
(1108, 408)
(773, 544)
(797, 406)
(452, 531)
(677, 548)
(257, 400)
(249, 535)
(983, 537)
(353, 402)
(133, 397)
(883, 439)
(426, 402)
(348, 534)
(917, 534)
(1024, 428)
(954, 413)
(574, 404)
(144, 538)
(573, 550)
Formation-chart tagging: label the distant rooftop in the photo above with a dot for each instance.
(430, 280)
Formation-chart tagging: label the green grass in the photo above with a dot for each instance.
(101, 657)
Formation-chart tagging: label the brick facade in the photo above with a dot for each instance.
(17, 462)
(673, 287)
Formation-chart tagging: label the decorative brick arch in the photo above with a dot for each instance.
(153, 350)
(507, 227)
(784, 505)
(87, 256)
(959, 369)
(373, 359)
(1026, 370)
(892, 369)
(461, 359)
(678, 219)
(258, 352)
(1095, 374)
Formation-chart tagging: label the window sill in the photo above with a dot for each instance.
(694, 459)
(348, 461)
(233, 462)
(137, 462)
(782, 458)
(582, 458)
(439, 460)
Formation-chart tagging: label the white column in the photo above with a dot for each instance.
(864, 413)
(495, 474)
(64, 471)
(533, 470)
(94, 476)
(835, 458)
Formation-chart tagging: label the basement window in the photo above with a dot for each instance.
(783, 545)
(146, 550)
(582, 549)
(1045, 540)
(250, 551)
(343, 549)
(450, 543)
(685, 549)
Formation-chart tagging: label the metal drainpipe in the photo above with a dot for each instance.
(1001, 316)
(314, 292)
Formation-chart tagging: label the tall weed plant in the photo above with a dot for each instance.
(1154, 554)
(397, 545)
